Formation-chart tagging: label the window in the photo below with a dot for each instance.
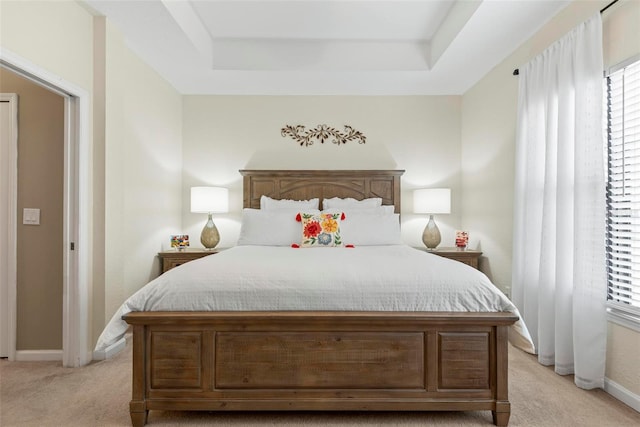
(623, 194)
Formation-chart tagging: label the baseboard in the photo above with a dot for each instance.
(39, 355)
(622, 394)
(110, 351)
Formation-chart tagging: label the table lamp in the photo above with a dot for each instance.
(209, 200)
(432, 201)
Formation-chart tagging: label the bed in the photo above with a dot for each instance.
(322, 357)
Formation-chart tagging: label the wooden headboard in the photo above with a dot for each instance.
(308, 184)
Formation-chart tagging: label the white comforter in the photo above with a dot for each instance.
(366, 278)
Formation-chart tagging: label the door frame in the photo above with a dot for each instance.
(76, 241)
(12, 192)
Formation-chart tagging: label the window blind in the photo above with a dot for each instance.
(623, 189)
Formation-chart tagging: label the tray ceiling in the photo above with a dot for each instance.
(325, 47)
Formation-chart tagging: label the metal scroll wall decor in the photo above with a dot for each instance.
(322, 133)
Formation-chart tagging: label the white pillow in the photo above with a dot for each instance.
(388, 209)
(267, 203)
(362, 228)
(338, 203)
(380, 210)
(270, 227)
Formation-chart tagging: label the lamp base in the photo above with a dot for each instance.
(431, 234)
(210, 236)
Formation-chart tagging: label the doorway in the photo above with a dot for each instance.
(75, 241)
(39, 229)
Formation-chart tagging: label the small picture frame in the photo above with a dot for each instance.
(462, 239)
(180, 241)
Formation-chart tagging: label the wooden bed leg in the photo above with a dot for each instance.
(503, 407)
(138, 417)
(501, 414)
(138, 406)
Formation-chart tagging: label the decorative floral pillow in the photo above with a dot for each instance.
(321, 230)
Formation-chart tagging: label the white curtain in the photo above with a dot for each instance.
(559, 266)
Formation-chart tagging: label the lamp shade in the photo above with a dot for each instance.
(432, 201)
(209, 199)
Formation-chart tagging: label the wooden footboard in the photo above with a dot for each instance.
(319, 361)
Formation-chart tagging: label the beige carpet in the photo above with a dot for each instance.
(45, 394)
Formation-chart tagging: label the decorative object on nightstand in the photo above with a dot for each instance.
(462, 239)
(432, 201)
(209, 200)
(469, 257)
(171, 259)
(180, 241)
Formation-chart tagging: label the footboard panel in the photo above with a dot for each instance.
(320, 361)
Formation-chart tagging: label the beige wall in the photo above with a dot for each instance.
(623, 351)
(143, 172)
(136, 146)
(488, 143)
(40, 184)
(225, 133)
(99, 166)
(56, 36)
(621, 32)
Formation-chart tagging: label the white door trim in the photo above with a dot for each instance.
(12, 206)
(77, 269)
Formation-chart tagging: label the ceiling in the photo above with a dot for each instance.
(325, 47)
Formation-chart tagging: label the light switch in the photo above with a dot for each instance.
(31, 216)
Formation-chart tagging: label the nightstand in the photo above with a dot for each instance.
(170, 259)
(468, 256)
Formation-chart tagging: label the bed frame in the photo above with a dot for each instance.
(363, 361)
